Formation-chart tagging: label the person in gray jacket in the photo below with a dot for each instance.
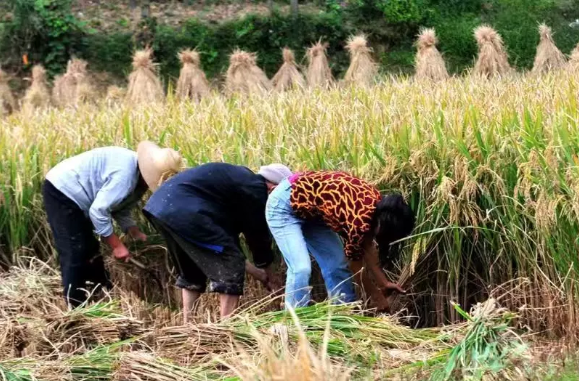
(84, 194)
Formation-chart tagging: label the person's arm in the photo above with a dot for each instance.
(372, 261)
(113, 192)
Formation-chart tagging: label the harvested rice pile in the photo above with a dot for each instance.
(192, 82)
(37, 95)
(244, 76)
(288, 76)
(319, 73)
(7, 102)
(429, 61)
(362, 70)
(548, 56)
(106, 341)
(492, 57)
(74, 87)
(144, 85)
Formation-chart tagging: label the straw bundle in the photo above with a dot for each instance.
(37, 95)
(288, 76)
(115, 94)
(429, 61)
(7, 102)
(192, 82)
(144, 85)
(548, 56)
(319, 73)
(492, 58)
(363, 69)
(243, 75)
(74, 86)
(574, 59)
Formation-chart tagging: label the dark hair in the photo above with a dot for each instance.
(395, 220)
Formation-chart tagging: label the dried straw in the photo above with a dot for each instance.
(192, 82)
(288, 76)
(429, 62)
(548, 56)
(144, 85)
(7, 102)
(492, 58)
(363, 69)
(319, 73)
(37, 95)
(574, 59)
(74, 86)
(244, 76)
(115, 94)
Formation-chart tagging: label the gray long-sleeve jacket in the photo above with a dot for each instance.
(103, 183)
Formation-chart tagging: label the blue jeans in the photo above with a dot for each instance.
(297, 238)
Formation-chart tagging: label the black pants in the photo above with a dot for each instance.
(196, 265)
(81, 264)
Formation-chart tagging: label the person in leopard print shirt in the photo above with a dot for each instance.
(309, 212)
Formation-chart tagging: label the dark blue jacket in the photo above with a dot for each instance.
(213, 204)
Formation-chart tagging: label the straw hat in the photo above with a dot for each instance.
(157, 164)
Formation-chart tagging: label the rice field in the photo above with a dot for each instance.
(490, 167)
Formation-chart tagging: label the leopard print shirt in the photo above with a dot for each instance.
(345, 203)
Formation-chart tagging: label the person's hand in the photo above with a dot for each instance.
(137, 234)
(121, 253)
(390, 287)
(273, 281)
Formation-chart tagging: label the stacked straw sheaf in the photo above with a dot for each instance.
(492, 59)
(244, 76)
(192, 83)
(288, 76)
(363, 69)
(548, 56)
(429, 62)
(319, 73)
(7, 102)
(574, 59)
(74, 87)
(37, 95)
(144, 85)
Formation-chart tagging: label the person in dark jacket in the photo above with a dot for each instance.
(201, 213)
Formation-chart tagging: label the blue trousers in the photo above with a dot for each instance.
(296, 239)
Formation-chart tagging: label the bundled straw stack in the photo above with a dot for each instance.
(429, 62)
(7, 102)
(37, 95)
(192, 82)
(574, 60)
(115, 94)
(74, 86)
(492, 58)
(319, 73)
(244, 76)
(363, 69)
(288, 76)
(548, 56)
(144, 85)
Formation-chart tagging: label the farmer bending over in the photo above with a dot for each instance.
(85, 193)
(304, 213)
(201, 212)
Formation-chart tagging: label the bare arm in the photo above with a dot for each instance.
(372, 261)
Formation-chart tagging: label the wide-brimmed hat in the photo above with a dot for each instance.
(157, 164)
